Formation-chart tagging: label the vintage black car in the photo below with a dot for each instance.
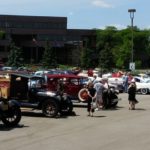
(30, 92)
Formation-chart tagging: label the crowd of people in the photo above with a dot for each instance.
(96, 89)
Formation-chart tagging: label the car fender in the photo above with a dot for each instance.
(14, 103)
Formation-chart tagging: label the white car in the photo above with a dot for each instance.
(115, 83)
(143, 86)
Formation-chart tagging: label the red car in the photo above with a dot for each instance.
(72, 83)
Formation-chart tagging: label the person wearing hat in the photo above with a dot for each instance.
(99, 86)
(132, 95)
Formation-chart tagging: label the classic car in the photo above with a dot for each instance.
(30, 92)
(143, 87)
(115, 83)
(72, 84)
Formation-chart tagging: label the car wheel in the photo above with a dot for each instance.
(144, 91)
(50, 108)
(83, 95)
(114, 101)
(13, 117)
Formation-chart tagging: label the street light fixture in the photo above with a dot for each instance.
(132, 11)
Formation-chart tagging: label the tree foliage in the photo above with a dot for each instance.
(49, 57)
(105, 43)
(88, 56)
(15, 57)
(118, 43)
(2, 34)
(106, 58)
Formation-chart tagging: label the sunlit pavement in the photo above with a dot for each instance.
(115, 129)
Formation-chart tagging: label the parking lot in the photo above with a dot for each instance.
(116, 129)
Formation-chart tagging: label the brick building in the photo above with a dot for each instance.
(31, 33)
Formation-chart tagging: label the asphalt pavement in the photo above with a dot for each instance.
(115, 129)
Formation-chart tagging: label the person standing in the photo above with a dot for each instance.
(60, 88)
(125, 82)
(91, 96)
(99, 91)
(132, 95)
(94, 79)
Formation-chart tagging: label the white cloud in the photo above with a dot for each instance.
(102, 3)
(118, 26)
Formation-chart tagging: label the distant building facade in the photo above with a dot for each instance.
(32, 32)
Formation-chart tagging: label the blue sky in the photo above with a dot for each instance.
(83, 14)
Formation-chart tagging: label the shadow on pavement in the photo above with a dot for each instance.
(95, 116)
(39, 114)
(32, 114)
(141, 109)
(6, 128)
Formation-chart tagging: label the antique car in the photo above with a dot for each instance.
(10, 111)
(142, 85)
(72, 84)
(115, 83)
(30, 92)
(54, 72)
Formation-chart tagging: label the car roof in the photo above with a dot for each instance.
(64, 76)
(29, 76)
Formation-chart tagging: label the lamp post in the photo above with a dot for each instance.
(132, 11)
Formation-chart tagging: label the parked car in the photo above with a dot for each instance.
(139, 79)
(72, 83)
(53, 71)
(143, 86)
(115, 83)
(42, 72)
(7, 68)
(22, 89)
(10, 112)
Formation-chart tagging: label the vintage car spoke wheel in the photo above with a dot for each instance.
(13, 118)
(144, 91)
(83, 95)
(50, 108)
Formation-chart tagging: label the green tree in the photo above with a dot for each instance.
(2, 34)
(122, 53)
(49, 57)
(142, 47)
(88, 58)
(15, 57)
(120, 44)
(106, 58)
(106, 41)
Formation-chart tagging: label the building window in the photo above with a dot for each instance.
(45, 37)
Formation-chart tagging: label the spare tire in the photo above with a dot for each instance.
(83, 95)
